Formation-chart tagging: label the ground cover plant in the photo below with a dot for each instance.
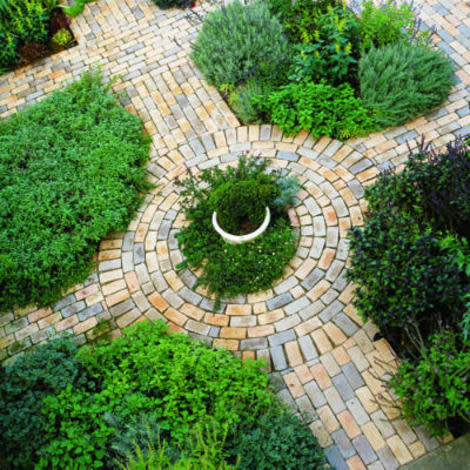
(71, 172)
(411, 262)
(148, 399)
(239, 196)
(317, 66)
(30, 29)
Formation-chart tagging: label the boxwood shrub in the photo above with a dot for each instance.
(70, 172)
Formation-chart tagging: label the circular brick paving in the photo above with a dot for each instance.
(304, 310)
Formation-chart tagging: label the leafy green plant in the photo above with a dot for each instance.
(241, 100)
(319, 108)
(27, 20)
(23, 386)
(71, 171)
(401, 81)
(279, 440)
(237, 39)
(289, 187)
(8, 48)
(229, 270)
(330, 51)
(62, 37)
(175, 3)
(389, 22)
(434, 390)
(76, 8)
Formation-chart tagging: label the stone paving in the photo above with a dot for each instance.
(324, 362)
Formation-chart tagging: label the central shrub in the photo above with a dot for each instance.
(70, 172)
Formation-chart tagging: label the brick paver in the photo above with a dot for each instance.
(305, 326)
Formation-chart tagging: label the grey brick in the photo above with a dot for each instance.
(345, 324)
(291, 157)
(429, 442)
(189, 295)
(279, 301)
(356, 188)
(382, 424)
(407, 136)
(335, 459)
(174, 300)
(312, 279)
(287, 322)
(109, 265)
(117, 310)
(306, 409)
(307, 347)
(315, 394)
(164, 230)
(334, 400)
(16, 325)
(139, 253)
(330, 311)
(43, 335)
(74, 308)
(281, 338)
(343, 443)
(6, 318)
(64, 301)
(334, 270)
(360, 166)
(352, 375)
(357, 410)
(276, 381)
(278, 358)
(343, 387)
(286, 397)
(388, 459)
(196, 146)
(364, 449)
(253, 344)
(297, 305)
(311, 310)
(463, 132)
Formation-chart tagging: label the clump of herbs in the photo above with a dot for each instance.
(229, 270)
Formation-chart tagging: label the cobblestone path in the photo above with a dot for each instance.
(323, 359)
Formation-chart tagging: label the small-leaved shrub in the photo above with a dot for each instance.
(235, 39)
(319, 108)
(71, 171)
(401, 81)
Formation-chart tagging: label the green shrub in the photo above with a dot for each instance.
(8, 48)
(229, 270)
(174, 3)
(23, 387)
(406, 279)
(319, 108)
(330, 51)
(62, 37)
(278, 441)
(389, 22)
(434, 390)
(400, 81)
(180, 381)
(241, 206)
(241, 101)
(237, 39)
(289, 187)
(76, 8)
(70, 172)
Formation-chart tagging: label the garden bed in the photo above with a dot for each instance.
(319, 67)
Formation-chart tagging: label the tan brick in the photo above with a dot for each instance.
(336, 336)
(367, 399)
(303, 373)
(229, 344)
(321, 376)
(50, 320)
(341, 356)
(192, 311)
(132, 281)
(38, 314)
(400, 451)
(294, 356)
(349, 424)
(308, 326)
(85, 326)
(158, 302)
(321, 341)
(175, 317)
(216, 319)
(417, 449)
(233, 332)
(373, 435)
(355, 463)
(328, 418)
(27, 331)
(237, 309)
(258, 331)
(270, 317)
(294, 385)
(66, 323)
(117, 298)
(320, 432)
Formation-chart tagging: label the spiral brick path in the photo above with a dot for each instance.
(323, 360)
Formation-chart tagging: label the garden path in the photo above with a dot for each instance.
(323, 359)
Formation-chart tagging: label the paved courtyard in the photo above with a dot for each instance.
(324, 361)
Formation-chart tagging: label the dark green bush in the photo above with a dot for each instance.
(241, 100)
(229, 270)
(401, 81)
(71, 171)
(164, 4)
(435, 389)
(319, 108)
(278, 441)
(241, 206)
(23, 387)
(236, 39)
